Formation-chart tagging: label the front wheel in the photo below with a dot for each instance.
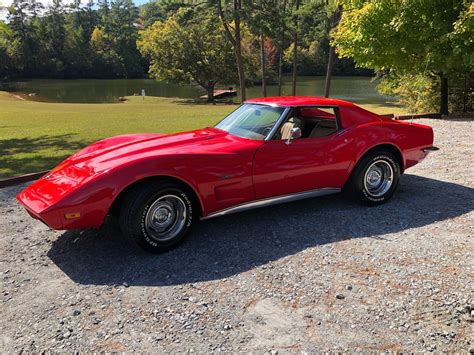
(157, 217)
(375, 178)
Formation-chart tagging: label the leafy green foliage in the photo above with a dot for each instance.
(417, 92)
(99, 40)
(406, 36)
(190, 46)
(56, 42)
(150, 13)
(409, 39)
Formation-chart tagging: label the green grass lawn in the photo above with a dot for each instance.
(35, 136)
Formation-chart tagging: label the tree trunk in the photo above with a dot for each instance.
(336, 17)
(444, 96)
(262, 63)
(465, 94)
(238, 50)
(332, 56)
(236, 41)
(240, 61)
(295, 50)
(281, 47)
(280, 60)
(295, 66)
(210, 91)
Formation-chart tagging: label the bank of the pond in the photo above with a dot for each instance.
(35, 136)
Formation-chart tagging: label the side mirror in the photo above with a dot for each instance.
(295, 134)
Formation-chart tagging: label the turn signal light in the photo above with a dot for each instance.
(72, 215)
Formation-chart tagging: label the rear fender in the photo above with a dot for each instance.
(404, 139)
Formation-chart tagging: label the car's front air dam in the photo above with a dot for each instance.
(62, 218)
(51, 218)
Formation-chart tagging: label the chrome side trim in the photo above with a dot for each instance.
(273, 201)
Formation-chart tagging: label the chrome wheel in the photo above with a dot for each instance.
(378, 178)
(165, 218)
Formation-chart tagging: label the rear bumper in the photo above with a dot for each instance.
(430, 149)
(416, 155)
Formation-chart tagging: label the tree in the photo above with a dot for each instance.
(113, 40)
(5, 59)
(333, 21)
(190, 46)
(80, 22)
(234, 35)
(51, 31)
(409, 37)
(106, 63)
(281, 37)
(121, 33)
(312, 25)
(150, 13)
(295, 48)
(306, 25)
(22, 20)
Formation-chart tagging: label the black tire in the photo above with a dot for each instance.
(147, 220)
(363, 185)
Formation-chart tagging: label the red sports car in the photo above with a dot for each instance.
(267, 151)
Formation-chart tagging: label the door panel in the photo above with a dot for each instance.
(304, 164)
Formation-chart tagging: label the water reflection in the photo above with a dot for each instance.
(357, 89)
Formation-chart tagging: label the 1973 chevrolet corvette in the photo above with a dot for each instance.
(267, 151)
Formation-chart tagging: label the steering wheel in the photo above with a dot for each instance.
(266, 131)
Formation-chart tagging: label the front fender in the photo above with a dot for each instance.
(93, 200)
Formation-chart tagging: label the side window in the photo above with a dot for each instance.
(314, 122)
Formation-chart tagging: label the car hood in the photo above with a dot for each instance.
(120, 150)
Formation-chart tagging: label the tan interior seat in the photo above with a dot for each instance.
(323, 128)
(288, 126)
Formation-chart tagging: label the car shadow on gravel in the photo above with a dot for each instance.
(226, 246)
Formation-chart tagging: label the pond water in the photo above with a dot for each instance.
(357, 89)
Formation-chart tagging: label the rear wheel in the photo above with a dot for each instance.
(157, 217)
(375, 178)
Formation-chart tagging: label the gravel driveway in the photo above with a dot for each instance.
(314, 275)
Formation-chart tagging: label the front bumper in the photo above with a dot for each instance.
(51, 218)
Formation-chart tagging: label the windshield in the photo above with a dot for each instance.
(251, 121)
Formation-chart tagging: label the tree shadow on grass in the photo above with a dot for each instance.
(226, 246)
(26, 155)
